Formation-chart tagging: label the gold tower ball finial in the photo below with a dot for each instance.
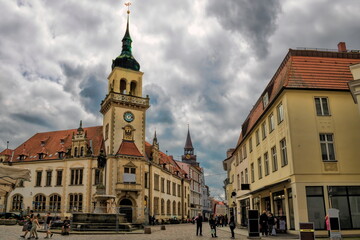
(128, 5)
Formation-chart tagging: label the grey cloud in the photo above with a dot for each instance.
(254, 20)
(32, 119)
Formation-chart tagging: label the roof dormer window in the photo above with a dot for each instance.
(265, 100)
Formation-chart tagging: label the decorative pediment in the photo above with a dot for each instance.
(130, 165)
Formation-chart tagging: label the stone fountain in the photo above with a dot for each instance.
(104, 216)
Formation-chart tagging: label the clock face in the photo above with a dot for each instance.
(128, 116)
(187, 156)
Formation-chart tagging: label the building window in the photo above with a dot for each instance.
(179, 208)
(271, 122)
(280, 113)
(246, 176)
(252, 172)
(265, 100)
(242, 178)
(162, 207)
(263, 130)
(97, 176)
(75, 202)
(59, 174)
(82, 151)
(238, 182)
(274, 159)
(250, 145)
(168, 207)
(162, 185)
(316, 206)
(156, 182)
(17, 202)
(76, 177)
(257, 137)
(347, 200)
(266, 163)
(327, 147)
(174, 208)
(41, 156)
(284, 159)
(244, 151)
(76, 152)
(146, 180)
(322, 106)
(129, 175)
(38, 178)
(48, 178)
(259, 168)
(106, 131)
(174, 189)
(55, 203)
(241, 156)
(179, 190)
(39, 203)
(61, 155)
(168, 185)
(156, 205)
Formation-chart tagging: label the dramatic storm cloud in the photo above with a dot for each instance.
(205, 63)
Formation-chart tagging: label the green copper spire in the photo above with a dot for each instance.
(126, 59)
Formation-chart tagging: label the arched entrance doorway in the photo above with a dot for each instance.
(126, 208)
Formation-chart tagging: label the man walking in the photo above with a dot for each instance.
(199, 221)
(264, 223)
(47, 225)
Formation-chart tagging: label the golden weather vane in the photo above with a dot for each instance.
(128, 5)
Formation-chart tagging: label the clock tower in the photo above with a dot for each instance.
(189, 156)
(124, 108)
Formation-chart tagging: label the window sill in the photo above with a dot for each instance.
(58, 186)
(329, 161)
(71, 185)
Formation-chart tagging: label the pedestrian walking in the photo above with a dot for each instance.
(35, 225)
(65, 229)
(271, 224)
(28, 225)
(264, 223)
(232, 226)
(47, 225)
(212, 223)
(199, 221)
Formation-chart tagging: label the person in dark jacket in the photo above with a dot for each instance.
(264, 223)
(212, 223)
(232, 226)
(199, 221)
(271, 223)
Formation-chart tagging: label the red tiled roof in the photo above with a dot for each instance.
(129, 148)
(7, 152)
(52, 143)
(304, 69)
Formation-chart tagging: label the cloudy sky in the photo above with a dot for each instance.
(206, 63)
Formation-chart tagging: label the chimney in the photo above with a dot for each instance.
(342, 47)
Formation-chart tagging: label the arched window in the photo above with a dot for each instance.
(156, 205)
(75, 152)
(75, 202)
(162, 207)
(179, 208)
(174, 208)
(133, 88)
(17, 202)
(39, 203)
(123, 86)
(82, 151)
(168, 207)
(55, 203)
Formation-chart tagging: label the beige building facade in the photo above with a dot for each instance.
(298, 145)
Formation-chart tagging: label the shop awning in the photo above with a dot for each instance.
(9, 177)
(270, 186)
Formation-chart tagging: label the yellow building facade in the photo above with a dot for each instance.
(297, 154)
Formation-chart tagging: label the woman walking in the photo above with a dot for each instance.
(35, 225)
(232, 226)
(212, 223)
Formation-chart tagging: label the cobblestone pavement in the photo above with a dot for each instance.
(172, 232)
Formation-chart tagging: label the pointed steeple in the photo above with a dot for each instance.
(155, 141)
(126, 59)
(80, 129)
(188, 143)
